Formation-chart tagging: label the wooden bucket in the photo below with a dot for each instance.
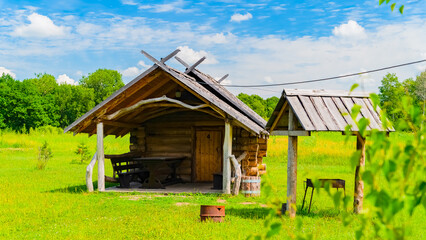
(250, 186)
(214, 213)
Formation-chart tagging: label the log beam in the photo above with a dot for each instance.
(292, 167)
(291, 133)
(359, 184)
(100, 156)
(227, 151)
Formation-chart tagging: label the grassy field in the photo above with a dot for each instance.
(53, 203)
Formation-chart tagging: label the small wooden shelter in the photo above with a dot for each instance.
(299, 112)
(172, 113)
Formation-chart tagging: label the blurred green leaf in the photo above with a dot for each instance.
(354, 86)
(393, 6)
(381, 2)
(368, 177)
(355, 111)
(401, 9)
(275, 229)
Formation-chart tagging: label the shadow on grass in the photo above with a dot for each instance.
(79, 188)
(315, 213)
(249, 213)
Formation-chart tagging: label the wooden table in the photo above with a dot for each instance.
(153, 163)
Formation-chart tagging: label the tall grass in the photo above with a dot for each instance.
(54, 204)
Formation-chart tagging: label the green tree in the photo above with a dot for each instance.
(390, 94)
(72, 102)
(104, 82)
(420, 89)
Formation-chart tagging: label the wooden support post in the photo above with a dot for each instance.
(292, 166)
(100, 156)
(227, 151)
(359, 184)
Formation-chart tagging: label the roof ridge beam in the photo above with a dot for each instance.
(163, 60)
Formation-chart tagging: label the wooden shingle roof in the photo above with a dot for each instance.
(321, 110)
(151, 83)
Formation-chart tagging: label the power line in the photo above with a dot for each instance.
(323, 79)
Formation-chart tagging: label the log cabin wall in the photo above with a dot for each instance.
(162, 137)
(173, 135)
(256, 148)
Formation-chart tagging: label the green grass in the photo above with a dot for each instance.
(53, 203)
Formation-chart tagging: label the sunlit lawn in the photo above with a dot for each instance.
(53, 203)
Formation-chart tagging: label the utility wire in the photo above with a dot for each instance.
(323, 79)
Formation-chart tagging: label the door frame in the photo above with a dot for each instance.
(194, 146)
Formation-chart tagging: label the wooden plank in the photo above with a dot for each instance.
(100, 156)
(291, 133)
(366, 113)
(359, 184)
(348, 102)
(345, 113)
(120, 124)
(312, 113)
(324, 93)
(195, 65)
(172, 54)
(222, 78)
(292, 167)
(325, 114)
(373, 113)
(277, 119)
(300, 112)
(335, 113)
(227, 152)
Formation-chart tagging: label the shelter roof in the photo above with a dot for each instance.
(324, 110)
(153, 81)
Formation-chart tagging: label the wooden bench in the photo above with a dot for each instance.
(126, 169)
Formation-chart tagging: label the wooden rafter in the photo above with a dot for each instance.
(192, 67)
(120, 124)
(278, 118)
(223, 78)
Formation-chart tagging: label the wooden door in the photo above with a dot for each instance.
(208, 154)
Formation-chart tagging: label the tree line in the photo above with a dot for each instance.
(392, 91)
(41, 101)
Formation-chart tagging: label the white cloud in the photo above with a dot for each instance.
(350, 29)
(135, 71)
(176, 6)
(88, 29)
(40, 27)
(4, 70)
(218, 38)
(64, 79)
(143, 64)
(128, 2)
(268, 79)
(191, 56)
(131, 72)
(79, 73)
(237, 17)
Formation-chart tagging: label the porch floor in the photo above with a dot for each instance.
(175, 188)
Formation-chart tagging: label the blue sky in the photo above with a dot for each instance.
(255, 42)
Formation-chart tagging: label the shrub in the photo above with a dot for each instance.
(82, 152)
(44, 154)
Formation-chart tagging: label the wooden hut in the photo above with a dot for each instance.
(299, 112)
(170, 113)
